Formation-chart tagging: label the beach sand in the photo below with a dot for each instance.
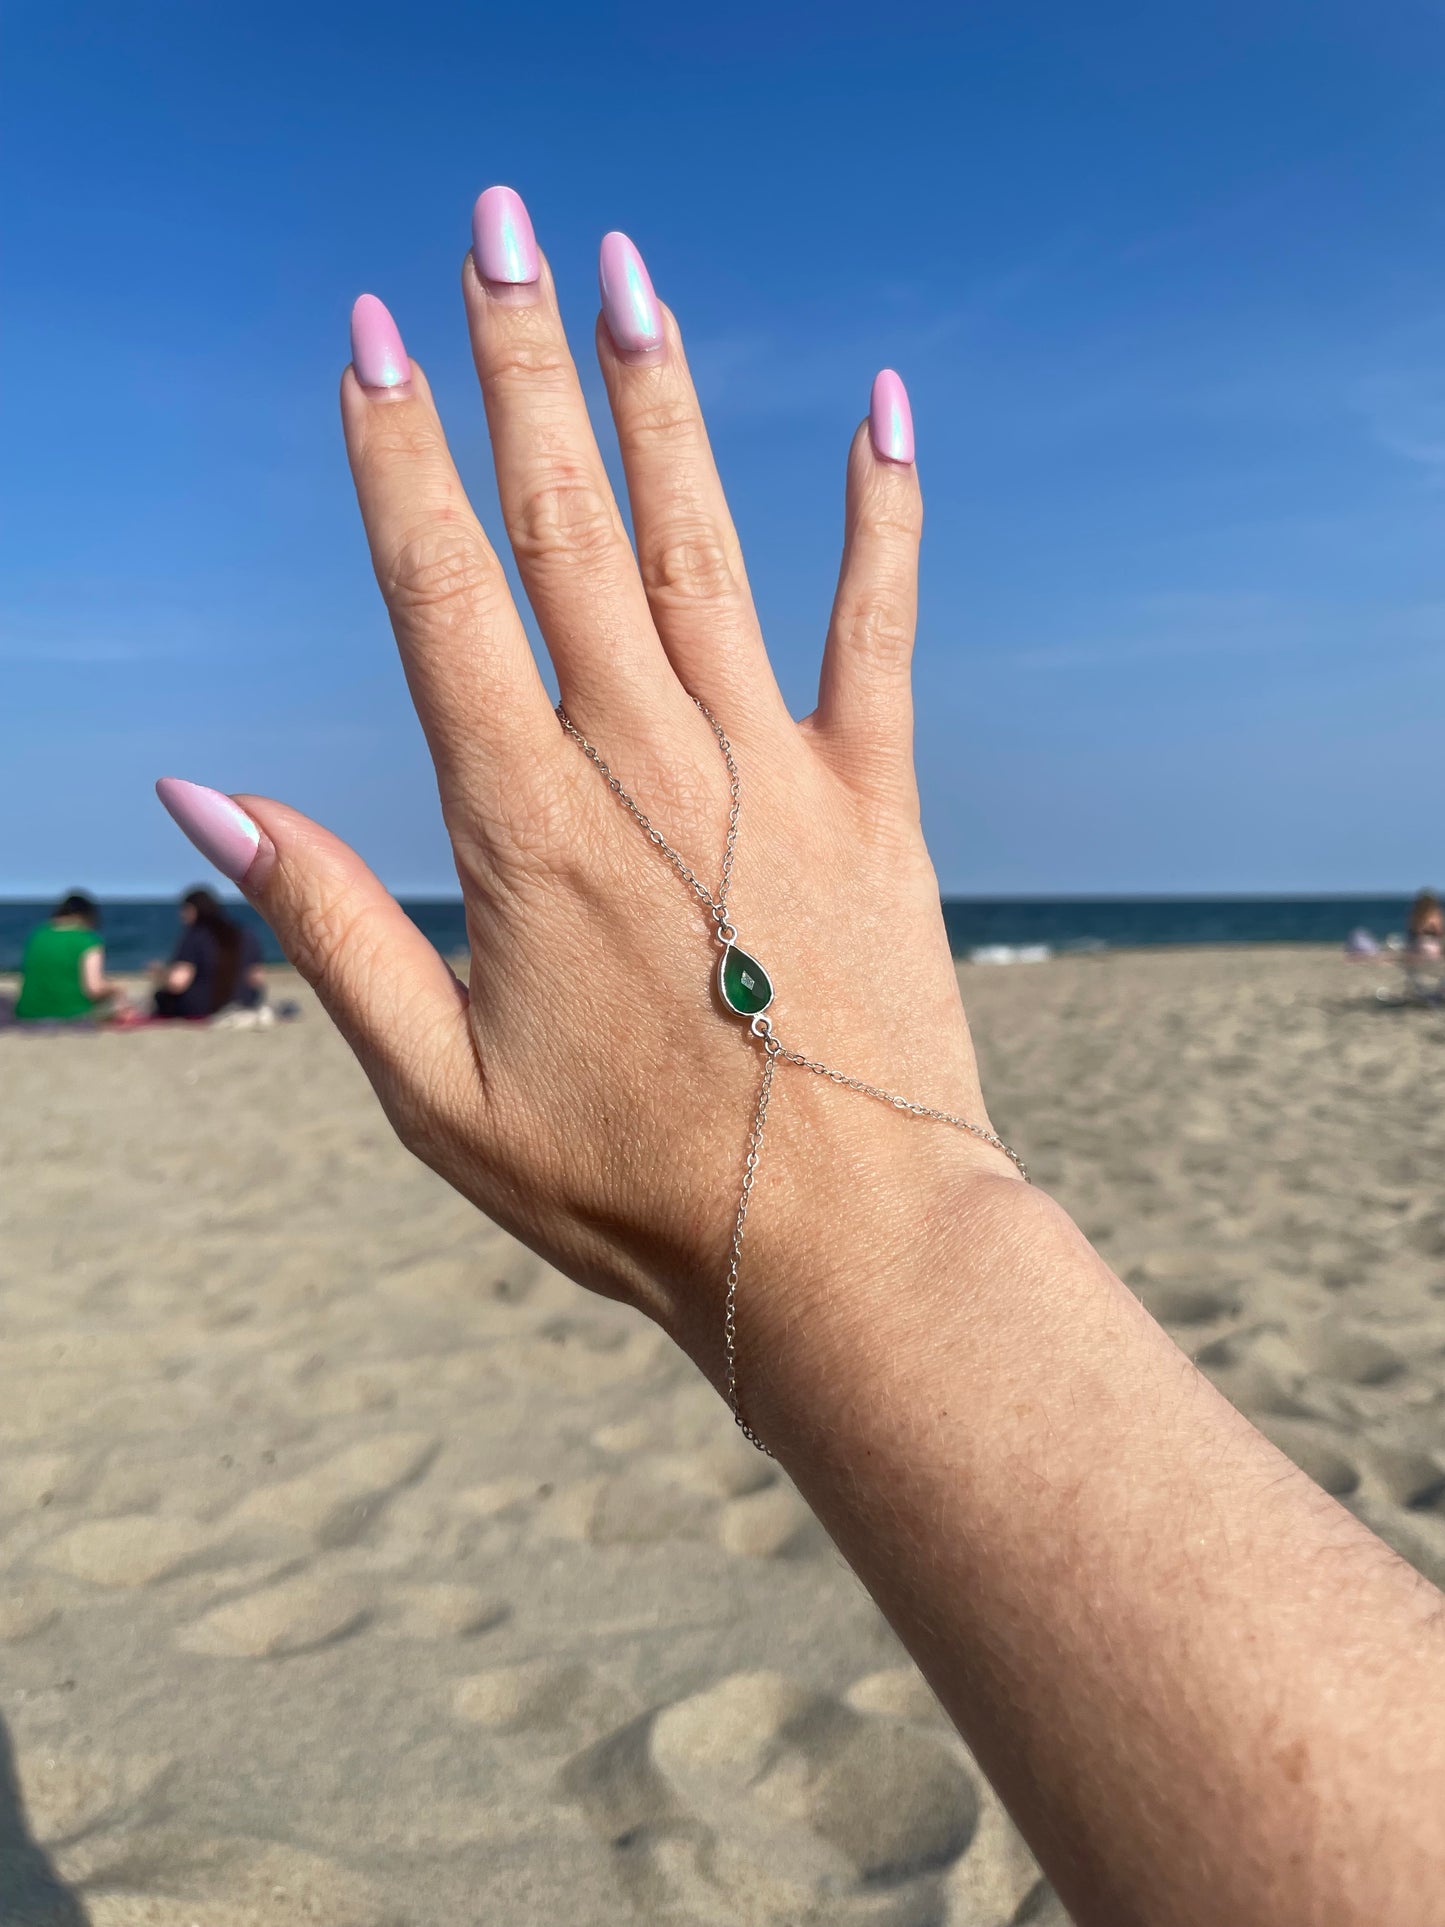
(355, 1568)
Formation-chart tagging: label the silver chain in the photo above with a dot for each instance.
(717, 905)
(902, 1104)
(774, 1051)
(735, 1256)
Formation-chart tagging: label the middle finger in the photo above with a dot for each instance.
(567, 534)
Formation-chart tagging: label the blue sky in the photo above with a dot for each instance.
(1167, 286)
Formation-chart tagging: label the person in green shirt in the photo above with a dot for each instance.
(63, 969)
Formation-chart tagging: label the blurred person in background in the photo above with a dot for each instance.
(1425, 933)
(63, 976)
(215, 965)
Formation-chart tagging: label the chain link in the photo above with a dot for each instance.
(717, 905)
(774, 1052)
(898, 1103)
(735, 1258)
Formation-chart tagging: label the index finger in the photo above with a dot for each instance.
(468, 664)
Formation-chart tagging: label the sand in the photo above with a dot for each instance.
(355, 1568)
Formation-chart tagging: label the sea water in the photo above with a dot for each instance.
(986, 929)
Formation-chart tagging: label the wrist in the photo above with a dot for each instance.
(861, 1217)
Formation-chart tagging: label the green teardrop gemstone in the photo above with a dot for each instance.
(745, 985)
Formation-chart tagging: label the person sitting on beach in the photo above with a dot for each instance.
(216, 963)
(1425, 932)
(63, 976)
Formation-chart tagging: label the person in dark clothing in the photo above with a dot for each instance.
(216, 963)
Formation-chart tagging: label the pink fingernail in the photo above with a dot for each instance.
(629, 307)
(890, 419)
(504, 248)
(376, 351)
(219, 828)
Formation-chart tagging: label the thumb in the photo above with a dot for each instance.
(388, 991)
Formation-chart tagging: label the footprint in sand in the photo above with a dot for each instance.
(898, 1693)
(234, 1883)
(70, 1794)
(758, 1799)
(1314, 1451)
(1418, 1536)
(581, 1356)
(34, 1480)
(1351, 1356)
(24, 1614)
(137, 1549)
(1427, 1235)
(730, 1468)
(722, 1464)
(633, 1507)
(1174, 1303)
(497, 1498)
(997, 1882)
(298, 1616)
(1413, 1477)
(1261, 1372)
(770, 1524)
(542, 1695)
(441, 1611)
(334, 1503)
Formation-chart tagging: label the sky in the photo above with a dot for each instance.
(1167, 286)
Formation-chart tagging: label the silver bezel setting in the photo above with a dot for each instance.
(728, 1004)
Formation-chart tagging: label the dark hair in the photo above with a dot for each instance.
(1422, 910)
(85, 909)
(226, 934)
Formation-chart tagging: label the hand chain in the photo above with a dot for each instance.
(774, 1051)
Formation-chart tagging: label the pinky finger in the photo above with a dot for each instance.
(865, 705)
(388, 991)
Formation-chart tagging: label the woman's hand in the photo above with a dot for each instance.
(588, 1090)
(1146, 1623)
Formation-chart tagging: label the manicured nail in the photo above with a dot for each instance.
(504, 247)
(219, 828)
(629, 307)
(376, 351)
(890, 419)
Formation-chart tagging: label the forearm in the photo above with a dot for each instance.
(1205, 1691)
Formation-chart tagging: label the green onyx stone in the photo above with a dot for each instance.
(745, 985)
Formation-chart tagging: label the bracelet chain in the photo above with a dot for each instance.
(774, 1051)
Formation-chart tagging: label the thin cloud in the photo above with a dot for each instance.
(62, 651)
(1177, 627)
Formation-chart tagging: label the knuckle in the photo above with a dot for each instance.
(398, 437)
(329, 939)
(889, 509)
(436, 570)
(422, 1126)
(691, 562)
(878, 628)
(664, 418)
(897, 520)
(562, 515)
(530, 360)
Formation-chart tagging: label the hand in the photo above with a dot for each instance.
(1133, 1608)
(588, 1090)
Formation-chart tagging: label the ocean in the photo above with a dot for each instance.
(137, 932)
